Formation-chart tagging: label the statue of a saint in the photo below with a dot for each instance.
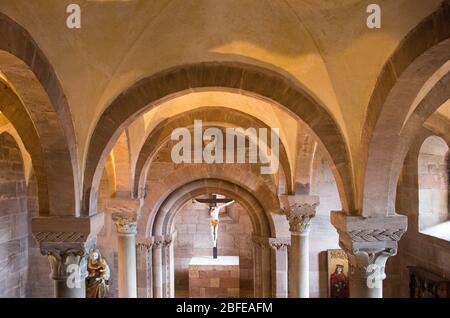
(97, 282)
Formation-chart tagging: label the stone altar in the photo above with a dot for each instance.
(209, 277)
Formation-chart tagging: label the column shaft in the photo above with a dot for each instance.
(299, 266)
(299, 211)
(61, 290)
(126, 224)
(157, 270)
(359, 287)
(126, 254)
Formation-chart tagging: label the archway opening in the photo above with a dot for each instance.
(193, 239)
(433, 181)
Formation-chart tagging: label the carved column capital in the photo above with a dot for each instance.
(126, 223)
(66, 258)
(299, 210)
(279, 244)
(369, 242)
(67, 242)
(144, 244)
(158, 243)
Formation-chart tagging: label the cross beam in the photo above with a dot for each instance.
(212, 202)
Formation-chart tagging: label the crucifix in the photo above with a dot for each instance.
(215, 204)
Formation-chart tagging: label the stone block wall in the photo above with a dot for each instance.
(13, 221)
(433, 183)
(39, 283)
(415, 248)
(214, 281)
(323, 235)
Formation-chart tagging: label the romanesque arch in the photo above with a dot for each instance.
(389, 126)
(162, 132)
(235, 77)
(243, 182)
(39, 110)
(161, 227)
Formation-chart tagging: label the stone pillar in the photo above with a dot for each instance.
(167, 254)
(157, 268)
(144, 268)
(262, 266)
(67, 242)
(126, 225)
(171, 266)
(257, 267)
(368, 242)
(68, 263)
(279, 266)
(299, 210)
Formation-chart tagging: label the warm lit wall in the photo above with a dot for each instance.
(433, 182)
(294, 38)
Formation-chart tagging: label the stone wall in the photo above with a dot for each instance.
(433, 182)
(323, 235)
(39, 283)
(13, 221)
(194, 239)
(107, 238)
(415, 248)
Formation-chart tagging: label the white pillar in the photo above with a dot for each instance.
(157, 263)
(168, 271)
(279, 267)
(368, 243)
(299, 210)
(126, 225)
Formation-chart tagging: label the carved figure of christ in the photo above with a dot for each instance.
(215, 205)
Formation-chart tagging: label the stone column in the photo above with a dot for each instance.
(157, 260)
(279, 266)
(126, 225)
(261, 266)
(257, 267)
(167, 250)
(67, 242)
(171, 267)
(144, 268)
(299, 210)
(68, 263)
(368, 242)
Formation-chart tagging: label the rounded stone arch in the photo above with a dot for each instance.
(390, 126)
(162, 132)
(238, 180)
(233, 77)
(42, 118)
(162, 223)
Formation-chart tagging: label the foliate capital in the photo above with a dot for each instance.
(299, 210)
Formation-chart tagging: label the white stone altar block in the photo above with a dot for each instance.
(209, 277)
